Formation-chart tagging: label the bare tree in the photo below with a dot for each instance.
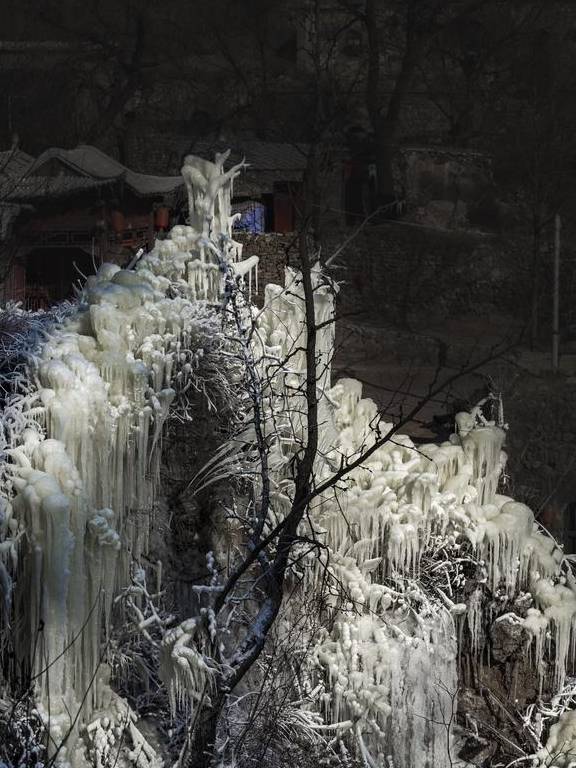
(415, 26)
(270, 544)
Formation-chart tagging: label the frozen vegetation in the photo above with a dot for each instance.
(406, 553)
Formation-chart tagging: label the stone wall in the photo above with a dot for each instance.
(541, 411)
(275, 251)
(408, 275)
(393, 271)
(405, 273)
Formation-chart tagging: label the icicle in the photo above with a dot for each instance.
(106, 389)
(182, 668)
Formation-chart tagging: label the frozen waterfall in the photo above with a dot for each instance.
(82, 450)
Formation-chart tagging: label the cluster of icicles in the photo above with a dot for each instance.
(396, 506)
(85, 468)
(389, 664)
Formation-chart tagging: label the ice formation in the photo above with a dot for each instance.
(83, 457)
(560, 749)
(398, 531)
(400, 507)
(399, 535)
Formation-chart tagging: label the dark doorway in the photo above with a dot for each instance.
(51, 274)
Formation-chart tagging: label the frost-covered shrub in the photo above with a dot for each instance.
(22, 735)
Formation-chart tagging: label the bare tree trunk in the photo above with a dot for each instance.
(556, 295)
(421, 25)
(535, 294)
(200, 751)
(385, 117)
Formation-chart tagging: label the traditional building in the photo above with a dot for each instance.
(267, 193)
(64, 212)
(67, 210)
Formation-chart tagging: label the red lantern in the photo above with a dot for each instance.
(162, 218)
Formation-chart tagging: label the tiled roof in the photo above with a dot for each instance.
(34, 187)
(268, 162)
(88, 167)
(93, 162)
(15, 163)
(260, 155)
